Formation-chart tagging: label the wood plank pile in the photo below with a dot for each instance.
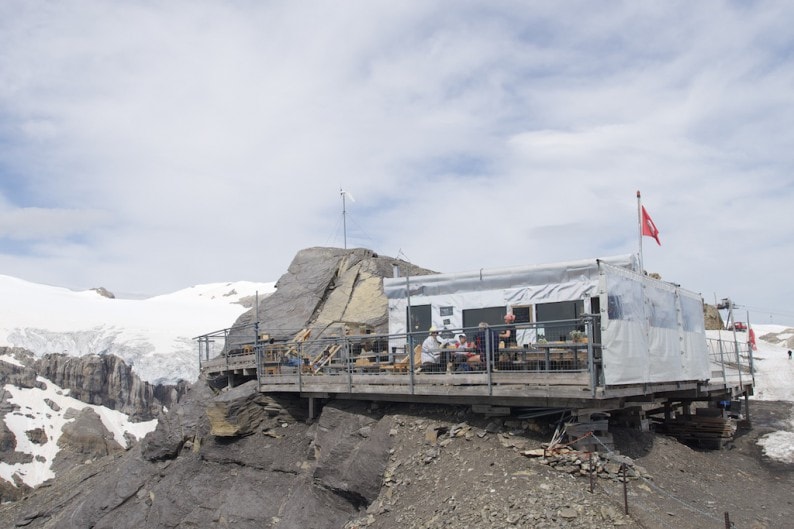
(591, 435)
(705, 429)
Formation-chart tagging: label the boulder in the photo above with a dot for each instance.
(352, 450)
(239, 411)
(86, 436)
(326, 288)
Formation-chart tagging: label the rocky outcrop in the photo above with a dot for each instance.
(84, 438)
(326, 288)
(278, 471)
(105, 380)
(20, 372)
(240, 411)
(100, 380)
(102, 291)
(351, 449)
(712, 318)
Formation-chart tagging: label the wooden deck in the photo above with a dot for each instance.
(528, 384)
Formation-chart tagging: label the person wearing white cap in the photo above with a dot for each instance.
(431, 348)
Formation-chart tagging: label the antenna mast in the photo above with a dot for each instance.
(344, 217)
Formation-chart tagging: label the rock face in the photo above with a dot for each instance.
(85, 438)
(712, 317)
(101, 380)
(105, 380)
(279, 471)
(328, 287)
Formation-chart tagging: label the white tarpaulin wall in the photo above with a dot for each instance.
(566, 281)
(651, 331)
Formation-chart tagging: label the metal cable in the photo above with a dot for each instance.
(661, 490)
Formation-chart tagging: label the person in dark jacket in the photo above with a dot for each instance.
(486, 340)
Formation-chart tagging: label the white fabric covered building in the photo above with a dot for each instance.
(650, 331)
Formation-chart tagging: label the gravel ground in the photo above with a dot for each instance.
(453, 469)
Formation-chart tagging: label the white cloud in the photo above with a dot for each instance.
(189, 143)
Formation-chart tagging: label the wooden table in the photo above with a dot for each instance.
(549, 353)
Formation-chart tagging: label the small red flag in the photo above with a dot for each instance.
(648, 227)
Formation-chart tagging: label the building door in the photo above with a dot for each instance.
(420, 321)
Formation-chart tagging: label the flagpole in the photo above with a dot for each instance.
(639, 229)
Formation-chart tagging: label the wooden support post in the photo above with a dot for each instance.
(747, 408)
(667, 411)
(311, 408)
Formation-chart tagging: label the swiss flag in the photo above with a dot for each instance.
(648, 227)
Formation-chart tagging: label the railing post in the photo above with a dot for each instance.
(489, 357)
(752, 366)
(349, 356)
(258, 357)
(738, 357)
(301, 363)
(410, 352)
(591, 366)
(722, 364)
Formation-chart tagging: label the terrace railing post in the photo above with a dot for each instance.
(258, 357)
(349, 360)
(752, 366)
(722, 364)
(489, 357)
(300, 365)
(409, 341)
(225, 347)
(589, 323)
(548, 357)
(738, 358)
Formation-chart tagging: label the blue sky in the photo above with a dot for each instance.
(146, 147)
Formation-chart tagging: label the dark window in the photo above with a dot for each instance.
(523, 314)
(421, 321)
(490, 315)
(557, 317)
(614, 310)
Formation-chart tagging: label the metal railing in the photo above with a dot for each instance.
(344, 359)
(731, 361)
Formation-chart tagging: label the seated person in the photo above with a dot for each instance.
(431, 349)
(465, 349)
(486, 340)
(465, 354)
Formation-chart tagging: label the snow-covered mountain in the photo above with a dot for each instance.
(153, 335)
(48, 409)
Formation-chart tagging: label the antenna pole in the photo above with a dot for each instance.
(344, 217)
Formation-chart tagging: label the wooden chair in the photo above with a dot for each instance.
(404, 364)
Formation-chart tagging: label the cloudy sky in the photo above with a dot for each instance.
(150, 146)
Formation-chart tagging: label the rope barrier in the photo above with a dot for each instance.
(659, 489)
